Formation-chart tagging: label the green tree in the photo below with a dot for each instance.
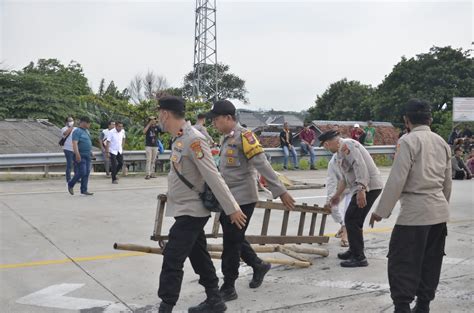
(230, 86)
(343, 100)
(47, 89)
(436, 76)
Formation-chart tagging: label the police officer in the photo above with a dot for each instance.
(241, 157)
(363, 179)
(192, 159)
(421, 179)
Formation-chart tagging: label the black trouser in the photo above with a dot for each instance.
(236, 247)
(414, 262)
(354, 221)
(117, 163)
(459, 175)
(186, 239)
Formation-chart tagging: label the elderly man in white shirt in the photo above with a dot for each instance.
(114, 149)
(337, 211)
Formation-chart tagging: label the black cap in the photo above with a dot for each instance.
(172, 103)
(330, 134)
(221, 107)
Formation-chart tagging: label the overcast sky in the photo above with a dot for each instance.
(287, 51)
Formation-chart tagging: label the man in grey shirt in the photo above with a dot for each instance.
(363, 179)
(241, 157)
(421, 179)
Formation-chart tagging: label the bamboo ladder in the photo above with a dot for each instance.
(289, 245)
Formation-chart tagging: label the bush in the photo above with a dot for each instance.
(322, 163)
(382, 160)
(304, 164)
(277, 166)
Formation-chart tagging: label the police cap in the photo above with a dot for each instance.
(328, 135)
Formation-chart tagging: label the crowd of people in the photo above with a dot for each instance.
(420, 179)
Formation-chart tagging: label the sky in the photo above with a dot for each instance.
(288, 52)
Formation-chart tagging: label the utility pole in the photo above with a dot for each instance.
(205, 52)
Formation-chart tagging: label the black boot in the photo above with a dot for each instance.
(213, 303)
(402, 308)
(421, 307)
(259, 272)
(345, 255)
(228, 292)
(165, 308)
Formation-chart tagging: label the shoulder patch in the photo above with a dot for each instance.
(250, 145)
(196, 147)
(345, 149)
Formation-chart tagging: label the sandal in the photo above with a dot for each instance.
(344, 243)
(339, 233)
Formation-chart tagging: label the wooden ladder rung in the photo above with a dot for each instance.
(312, 227)
(266, 221)
(284, 225)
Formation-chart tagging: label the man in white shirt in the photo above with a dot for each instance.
(103, 142)
(66, 132)
(114, 149)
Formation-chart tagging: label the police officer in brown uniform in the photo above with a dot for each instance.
(241, 157)
(363, 179)
(191, 158)
(421, 179)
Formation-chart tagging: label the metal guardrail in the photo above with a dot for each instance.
(45, 159)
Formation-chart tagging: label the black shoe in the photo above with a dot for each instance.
(71, 190)
(228, 293)
(259, 272)
(313, 168)
(421, 307)
(213, 303)
(165, 308)
(355, 263)
(345, 255)
(402, 308)
(87, 193)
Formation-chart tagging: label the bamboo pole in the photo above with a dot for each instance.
(308, 250)
(132, 247)
(293, 254)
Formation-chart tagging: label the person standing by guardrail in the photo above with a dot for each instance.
(103, 142)
(82, 146)
(115, 143)
(151, 132)
(286, 143)
(66, 142)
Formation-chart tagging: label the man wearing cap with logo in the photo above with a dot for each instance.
(241, 157)
(191, 160)
(363, 179)
(421, 179)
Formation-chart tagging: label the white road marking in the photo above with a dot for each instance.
(53, 297)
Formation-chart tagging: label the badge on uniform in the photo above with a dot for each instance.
(250, 144)
(196, 147)
(230, 161)
(345, 149)
(179, 144)
(250, 137)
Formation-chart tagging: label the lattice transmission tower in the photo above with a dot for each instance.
(205, 84)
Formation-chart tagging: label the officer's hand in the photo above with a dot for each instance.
(335, 200)
(361, 200)
(238, 219)
(328, 207)
(288, 200)
(374, 218)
